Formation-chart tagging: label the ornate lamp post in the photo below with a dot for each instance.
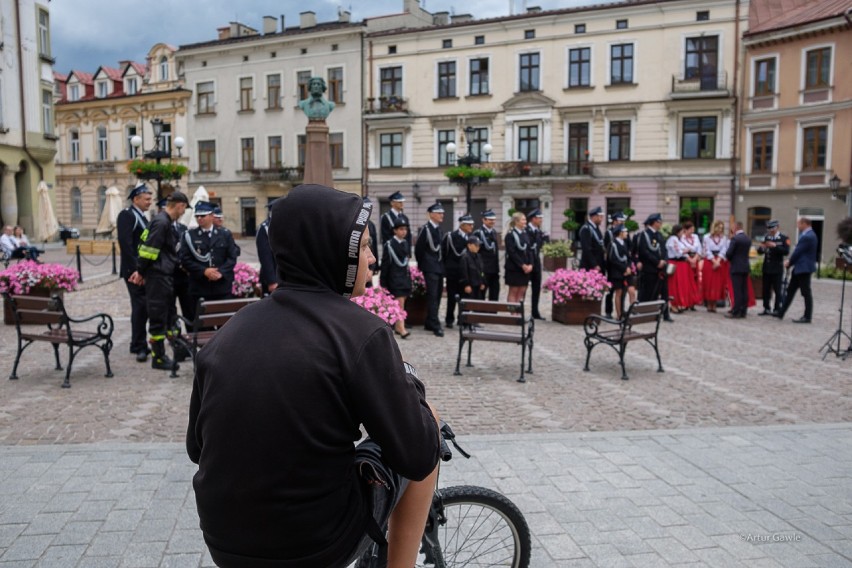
(157, 153)
(468, 160)
(834, 184)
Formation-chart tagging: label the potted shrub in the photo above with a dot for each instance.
(576, 294)
(246, 281)
(632, 226)
(556, 254)
(380, 302)
(756, 273)
(30, 277)
(464, 174)
(416, 305)
(146, 169)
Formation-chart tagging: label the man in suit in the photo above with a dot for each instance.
(131, 223)
(803, 261)
(775, 247)
(490, 253)
(268, 268)
(429, 256)
(737, 255)
(592, 243)
(397, 203)
(537, 238)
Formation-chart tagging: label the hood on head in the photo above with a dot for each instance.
(315, 234)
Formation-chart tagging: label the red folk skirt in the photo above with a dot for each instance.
(683, 288)
(716, 282)
(752, 302)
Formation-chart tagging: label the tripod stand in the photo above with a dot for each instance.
(838, 335)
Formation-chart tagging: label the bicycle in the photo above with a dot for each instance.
(467, 526)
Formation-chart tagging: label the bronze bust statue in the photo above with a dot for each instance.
(315, 106)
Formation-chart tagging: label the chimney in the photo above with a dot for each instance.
(224, 33)
(458, 18)
(533, 9)
(269, 25)
(441, 18)
(344, 16)
(307, 20)
(282, 23)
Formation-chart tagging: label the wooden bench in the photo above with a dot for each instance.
(34, 310)
(477, 321)
(210, 316)
(646, 314)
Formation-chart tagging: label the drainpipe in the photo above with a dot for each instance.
(735, 126)
(365, 136)
(21, 86)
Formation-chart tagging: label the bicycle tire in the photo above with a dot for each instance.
(482, 528)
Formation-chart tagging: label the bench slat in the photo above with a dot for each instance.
(34, 317)
(494, 307)
(492, 336)
(467, 318)
(226, 306)
(32, 302)
(640, 319)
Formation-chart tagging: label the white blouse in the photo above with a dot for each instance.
(711, 246)
(674, 248)
(693, 245)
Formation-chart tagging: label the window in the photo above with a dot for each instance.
(246, 94)
(702, 15)
(47, 111)
(390, 150)
(302, 80)
(529, 71)
(103, 89)
(75, 146)
(391, 50)
(621, 24)
(275, 158)
(166, 138)
(390, 81)
(335, 47)
(579, 28)
(702, 60)
(528, 143)
(273, 91)
(579, 67)
(529, 34)
(335, 84)
(43, 33)
(131, 86)
(621, 64)
(444, 138)
(479, 76)
(818, 68)
(301, 148)
(699, 137)
(757, 218)
(578, 148)
(206, 104)
(74, 93)
(619, 140)
(446, 79)
(478, 138)
(762, 146)
(206, 155)
(132, 151)
(101, 198)
(164, 68)
(246, 154)
(479, 40)
(447, 44)
(76, 205)
(701, 212)
(335, 148)
(813, 148)
(103, 148)
(616, 205)
(764, 77)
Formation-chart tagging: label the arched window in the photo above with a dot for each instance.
(76, 205)
(164, 68)
(101, 198)
(757, 218)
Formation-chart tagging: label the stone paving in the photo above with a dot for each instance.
(625, 496)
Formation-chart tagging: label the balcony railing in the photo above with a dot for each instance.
(528, 169)
(278, 174)
(386, 104)
(695, 84)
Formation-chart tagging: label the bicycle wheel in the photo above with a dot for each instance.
(480, 528)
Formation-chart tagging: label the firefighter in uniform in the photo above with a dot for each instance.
(455, 245)
(489, 252)
(775, 247)
(616, 222)
(651, 252)
(592, 243)
(537, 238)
(130, 225)
(268, 269)
(209, 254)
(157, 259)
(397, 203)
(427, 250)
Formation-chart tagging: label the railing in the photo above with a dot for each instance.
(278, 174)
(692, 82)
(386, 104)
(528, 169)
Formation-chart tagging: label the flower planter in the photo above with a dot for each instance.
(575, 311)
(553, 263)
(757, 284)
(9, 317)
(417, 309)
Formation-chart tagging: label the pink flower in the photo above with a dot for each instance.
(567, 284)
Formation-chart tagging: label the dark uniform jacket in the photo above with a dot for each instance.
(472, 273)
(773, 259)
(130, 224)
(651, 249)
(279, 396)
(427, 249)
(158, 248)
(387, 226)
(374, 245)
(618, 259)
(537, 238)
(592, 245)
(518, 251)
(455, 245)
(394, 274)
(265, 257)
(489, 252)
(199, 252)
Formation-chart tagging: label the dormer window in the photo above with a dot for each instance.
(130, 86)
(103, 89)
(164, 68)
(73, 92)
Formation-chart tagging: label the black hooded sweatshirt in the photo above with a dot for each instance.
(281, 390)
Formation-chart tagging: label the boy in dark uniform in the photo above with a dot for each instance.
(268, 278)
(537, 238)
(397, 203)
(472, 273)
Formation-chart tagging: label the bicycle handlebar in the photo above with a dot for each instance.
(448, 434)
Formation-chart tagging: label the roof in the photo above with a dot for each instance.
(295, 30)
(769, 15)
(110, 72)
(82, 76)
(59, 77)
(140, 68)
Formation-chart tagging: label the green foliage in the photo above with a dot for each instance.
(463, 174)
(512, 211)
(685, 214)
(631, 225)
(145, 169)
(666, 230)
(756, 269)
(629, 212)
(831, 271)
(570, 224)
(557, 249)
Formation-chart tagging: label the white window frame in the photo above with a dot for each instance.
(635, 80)
(163, 63)
(43, 32)
(582, 45)
(401, 81)
(310, 71)
(102, 88)
(325, 71)
(541, 68)
(128, 81)
(469, 84)
(270, 165)
(801, 124)
(74, 146)
(436, 144)
(752, 129)
(719, 154)
(694, 34)
(47, 115)
(567, 121)
(216, 152)
(74, 92)
(132, 151)
(516, 150)
(240, 152)
(804, 72)
(342, 133)
(621, 118)
(404, 154)
(753, 75)
(280, 104)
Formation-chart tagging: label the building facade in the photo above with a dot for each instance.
(797, 117)
(624, 106)
(97, 114)
(27, 134)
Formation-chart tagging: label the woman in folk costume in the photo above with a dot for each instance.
(519, 259)
(680, 290)
(620, 268)
(716, 270)
(691, 246)
(394, 275)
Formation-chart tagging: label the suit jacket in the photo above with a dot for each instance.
(737, 253)
(428, 258)
(803, 259)
(268, 268)
(537, 238)
(130, 225)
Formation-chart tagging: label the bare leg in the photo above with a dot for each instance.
(631, 294)
(400, 325)
(617, 299)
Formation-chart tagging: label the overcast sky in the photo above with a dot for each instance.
(89, 33)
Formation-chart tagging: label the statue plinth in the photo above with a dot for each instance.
(317, 156)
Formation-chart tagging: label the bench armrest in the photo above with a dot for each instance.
(188, 325)
(594, 321)
(105, 326)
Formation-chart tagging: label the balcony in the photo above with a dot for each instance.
(527, 169)
(386, 105)
(692, 85)
(293, 175)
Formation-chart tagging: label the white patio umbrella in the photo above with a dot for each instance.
(112, 207)
(46, 224)
(188, 218)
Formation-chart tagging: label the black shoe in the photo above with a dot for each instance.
(538, 317)
(668, 319)
(448, 325)
(439, 332)
(608, 315)
(766, 312)
(142, 356)
(778, 315)
(181, 353)
(802, 320)
(164, 364)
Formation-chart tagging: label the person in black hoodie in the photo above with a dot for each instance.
(279, 396)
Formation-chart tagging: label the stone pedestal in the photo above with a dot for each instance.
(317, 156)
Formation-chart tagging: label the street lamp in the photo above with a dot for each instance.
(158, 152)
(468, 160)
(834, 184)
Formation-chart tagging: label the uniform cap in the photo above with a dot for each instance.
(162, 203)
(400, 222)
(619, 217)
(618, 229)
(436, 208)
(488, 214)
(534, 213)
(397, 197)
(141, 188)
(473, 240)
(653, 218)
(203, 208)
(217, 212)
(595, 211)
(466, 220)
(772, 223)
(178, 197)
